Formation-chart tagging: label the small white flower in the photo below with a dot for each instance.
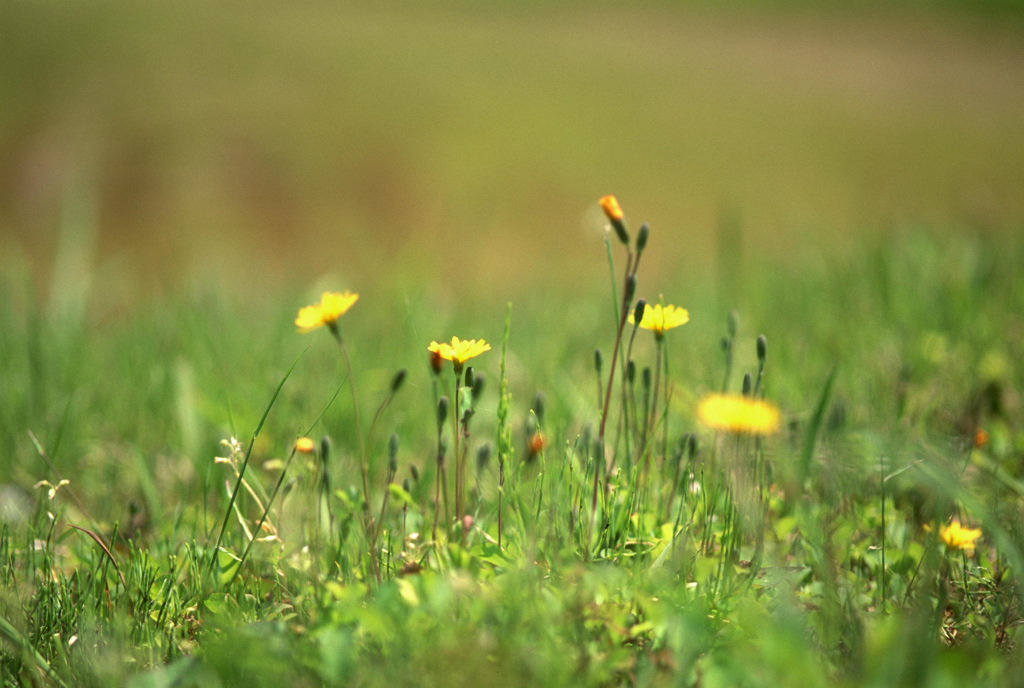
(52, 489)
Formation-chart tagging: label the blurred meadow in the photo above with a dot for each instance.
(192, 142)
(177, 179)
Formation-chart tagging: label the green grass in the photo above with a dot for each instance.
(175, 185)
(840, 583)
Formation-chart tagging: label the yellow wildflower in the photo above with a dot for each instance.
(957, 537)
(459, 351)
(331, 307)
(658, 319)
(305, 445)
(611, 208)
(739, 414)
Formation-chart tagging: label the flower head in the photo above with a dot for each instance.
(957, 537)
(331, 307)
(612, 209)
(459, 351)
(305, 445)
(739, 414)
(658, 318)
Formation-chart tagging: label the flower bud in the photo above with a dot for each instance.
(304, 445)
(478, 386)
(598, 360)
(538, 407)
(638, 312)
(469, 377)
(442, 411)
(325, 448)
(748, 384)
(397, 380)
(535, 445)
(641, 238)
(436, 362)
(733, 323)
(762, 347)
(630, 371)
(393, 445)
(610, 206)
(483, 456)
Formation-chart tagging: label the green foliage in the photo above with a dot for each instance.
(808, 558)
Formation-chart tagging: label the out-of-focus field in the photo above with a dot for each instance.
(175, 142)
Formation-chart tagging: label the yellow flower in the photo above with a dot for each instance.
(739, 414)
(305, 445)
(611, 208)
(957, 537)
(459, 351)
(331, 307)
(658, 319)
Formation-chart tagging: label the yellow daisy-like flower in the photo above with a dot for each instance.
(459, 351)
(657, 319)
(331, 307)
(957, 537)
(739, 414)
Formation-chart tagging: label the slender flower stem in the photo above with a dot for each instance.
(364, 468)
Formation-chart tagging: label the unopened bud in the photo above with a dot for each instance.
(393, 445)
(733, 323)
(638, 312)
(325, 448)
(436, 362)
(748, 384)
(483, 456)
(538, 407)
(762, 347)
(610, 206)
(469, 377)
(641, 238)
(397, 380)
(535, 445)
(442, 411)
(598, 360)
(478, 386)
(630, 371)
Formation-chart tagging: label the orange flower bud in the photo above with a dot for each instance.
(611, 208)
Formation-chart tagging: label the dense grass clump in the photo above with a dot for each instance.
(800, 475)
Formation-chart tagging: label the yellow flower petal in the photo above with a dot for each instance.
(957, 537)
(460, 350)
(658, 318)
(739, 414)
(331, 307)
(305, 445)
(611, 208)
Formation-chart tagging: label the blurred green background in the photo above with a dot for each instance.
(442, 145)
